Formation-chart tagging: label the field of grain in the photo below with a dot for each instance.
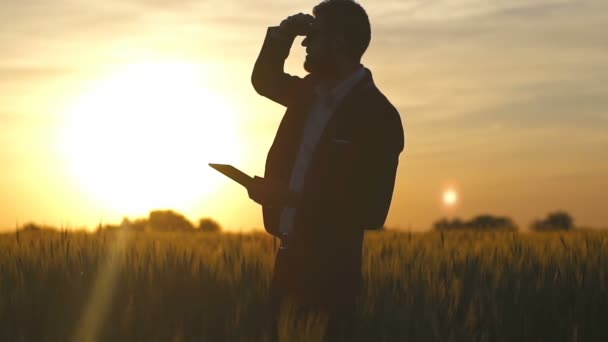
(457, 286)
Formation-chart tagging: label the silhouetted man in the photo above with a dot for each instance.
(331, 169)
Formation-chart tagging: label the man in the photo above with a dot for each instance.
(331, 169)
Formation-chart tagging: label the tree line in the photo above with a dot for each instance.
(171, 221)
(555, 221)
(157, 220)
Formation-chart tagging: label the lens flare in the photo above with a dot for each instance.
(450, 197)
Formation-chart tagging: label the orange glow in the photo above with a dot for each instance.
(141, 137)
(450, 197)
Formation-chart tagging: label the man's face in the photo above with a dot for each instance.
(320, 49)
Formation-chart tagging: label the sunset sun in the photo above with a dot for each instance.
(450, 197)
(141, 137)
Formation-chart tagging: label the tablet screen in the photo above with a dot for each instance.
(233, 173)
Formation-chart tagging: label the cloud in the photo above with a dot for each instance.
(442, 10)
(528, 80)
(438, 60)
(50, 19)
(32, 73)
(457, 66)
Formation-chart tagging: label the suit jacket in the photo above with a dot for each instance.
(350, 180)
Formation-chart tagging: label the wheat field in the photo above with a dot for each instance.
(454, 286)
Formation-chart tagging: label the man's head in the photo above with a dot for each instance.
(339, 35)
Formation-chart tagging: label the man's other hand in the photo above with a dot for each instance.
(296, 25)
(269, 192)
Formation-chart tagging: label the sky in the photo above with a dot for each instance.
(113, 108)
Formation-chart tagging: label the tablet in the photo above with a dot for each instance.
(233, 173)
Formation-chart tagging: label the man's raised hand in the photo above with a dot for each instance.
(296, 25)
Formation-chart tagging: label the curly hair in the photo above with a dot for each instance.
(350, 19)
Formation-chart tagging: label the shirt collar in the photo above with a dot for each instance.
(340, 90)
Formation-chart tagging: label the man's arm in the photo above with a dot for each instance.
(268, 77)
(362, 194)
(364, 199)
(378, 171)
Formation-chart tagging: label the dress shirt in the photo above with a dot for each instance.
(325, 102)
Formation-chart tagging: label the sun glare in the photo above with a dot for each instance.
(141, 138)
(450, 197)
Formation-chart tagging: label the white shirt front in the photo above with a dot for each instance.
(322, 109)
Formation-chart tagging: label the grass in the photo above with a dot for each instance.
(456, 286)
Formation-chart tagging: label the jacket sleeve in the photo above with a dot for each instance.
(358, 189)
(268, 77)
(378, 170)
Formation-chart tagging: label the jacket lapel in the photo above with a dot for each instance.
(347, 107)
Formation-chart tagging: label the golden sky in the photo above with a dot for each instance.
(504, 101)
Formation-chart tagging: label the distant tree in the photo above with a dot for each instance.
(31, 227)
(209, 225)
(34, 227)
(481, 222)
(559, 220)
(109, 227)
(442, 224)
(457, 224)
(489, 222)
(168, 220)
(445, 224)
(138, 224)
